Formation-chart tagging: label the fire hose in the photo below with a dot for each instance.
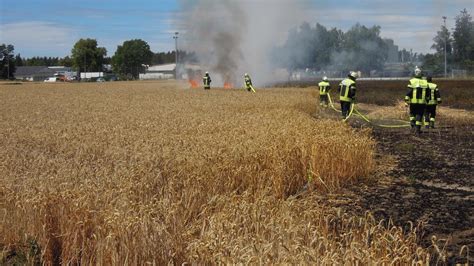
(364, 117)
(251, 88)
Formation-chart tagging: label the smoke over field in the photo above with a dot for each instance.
(231, 38)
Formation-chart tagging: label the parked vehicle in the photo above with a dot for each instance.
(53, 79)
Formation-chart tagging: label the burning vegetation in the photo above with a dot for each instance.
(193, 83)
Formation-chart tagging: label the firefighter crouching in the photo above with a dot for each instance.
(434, 99)
(324, 88)
(417, 97)
(347, 91)
(207, 81)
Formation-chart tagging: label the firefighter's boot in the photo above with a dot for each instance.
(417, 129)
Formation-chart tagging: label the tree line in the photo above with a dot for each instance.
(129, 60)
(318, 48)
(360, 48)
(458, 45)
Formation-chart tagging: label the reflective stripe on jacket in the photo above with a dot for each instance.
(207, 81)
(417, 91)
(347, 90)
(434, 95)
(324, 87)
(248, 82)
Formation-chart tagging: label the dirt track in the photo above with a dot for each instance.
(428, 179)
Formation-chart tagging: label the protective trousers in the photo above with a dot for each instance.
(430, 115)
(416, 115)
(345, 109)
(323, 100)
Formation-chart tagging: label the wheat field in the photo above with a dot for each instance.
(156, 173)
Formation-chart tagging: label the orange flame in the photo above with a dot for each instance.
(228, 85)
(193, 83)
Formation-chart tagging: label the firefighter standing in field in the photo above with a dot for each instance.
(248, 83)
(347, 91)
(324, 88)
(434, 99)
(207, 81)
(417, 97)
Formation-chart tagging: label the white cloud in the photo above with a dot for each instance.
(39, 38)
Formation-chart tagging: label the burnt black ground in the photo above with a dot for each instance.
(424, 179)
(430, 180)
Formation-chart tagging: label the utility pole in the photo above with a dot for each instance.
(445, 52)
(85, 66)
(8, 66)
(175, 37)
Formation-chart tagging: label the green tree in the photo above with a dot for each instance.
(434, 63)
(169, 57)
(363, 49)
(130, 57)
(360, 48)
(7, 60)
(18, 60)
(42, 61)
(66, 61)
(86, 56)
(463, 35)
(442, 35)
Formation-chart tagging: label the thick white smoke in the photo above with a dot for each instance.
(233, 37)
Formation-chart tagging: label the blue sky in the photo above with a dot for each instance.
(51, 27)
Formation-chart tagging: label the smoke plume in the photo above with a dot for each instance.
(232, 37)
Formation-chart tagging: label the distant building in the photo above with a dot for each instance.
(166, 71)
(91, 75)
(40, 73)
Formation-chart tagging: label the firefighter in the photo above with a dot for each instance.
(248, 83)
(207, 81)
(434, 99)
(324, 88)
(417, 97)
(347, 91)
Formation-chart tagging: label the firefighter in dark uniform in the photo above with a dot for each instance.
(324, 88)
(207, 81)
(417, 97)
(347, 91)
(434, 99)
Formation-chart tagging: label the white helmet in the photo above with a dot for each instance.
(353, 74)
(325, 78)
(417, 71)
(207, 72)
(246, 75)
